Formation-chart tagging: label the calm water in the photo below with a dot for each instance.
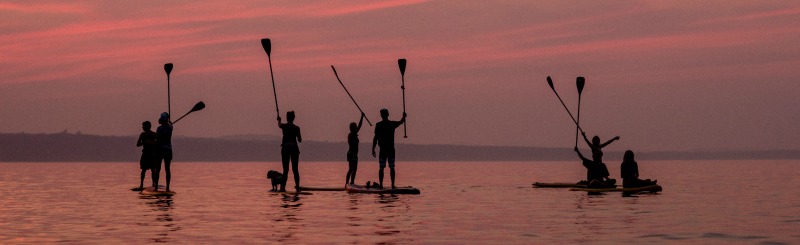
(718, 202)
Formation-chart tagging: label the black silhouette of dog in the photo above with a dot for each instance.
(277, 179)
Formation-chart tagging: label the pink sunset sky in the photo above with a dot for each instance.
(663, 75)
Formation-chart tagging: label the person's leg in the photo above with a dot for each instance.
(354, 166)
(157, 170)
(381, 165)
(296, 172)
(167, 161)
(141, 180)
(391, 168)
(285, 161)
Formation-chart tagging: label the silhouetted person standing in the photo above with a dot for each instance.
(629, 171)
(352, 151)
(597, 148)
(597, 175)
(147, 140)
(384, 136)
(290, 151)
(164, 147)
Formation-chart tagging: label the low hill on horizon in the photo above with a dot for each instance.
(77, 147)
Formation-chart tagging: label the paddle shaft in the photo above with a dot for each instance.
(348, 94)
(577, 122)
(401, 63)
(184, 115)
(403, 87)
(274, 92)
(565, 108)
(169, 103)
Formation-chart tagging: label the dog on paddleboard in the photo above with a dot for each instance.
(277, 179)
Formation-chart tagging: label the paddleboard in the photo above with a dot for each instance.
(290, 192)
(137, 189)
(150, 191)
(557, 185)
(651, 188)
(308, 188)
(399, 190)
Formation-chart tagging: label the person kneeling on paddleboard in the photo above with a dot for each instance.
(629, 171)
(597, 175)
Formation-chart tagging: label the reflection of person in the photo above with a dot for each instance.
(289, 148)
(597, 148)
(147, 140)
(596, 173)
(352, 151)
(629, 171)
(164, 147)
(384, 137)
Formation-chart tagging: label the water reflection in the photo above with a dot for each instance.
(161, 206)
(287, 222)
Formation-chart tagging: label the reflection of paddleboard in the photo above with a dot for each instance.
(557, 185)
(290, 192)
(651, 188)
(399, 190)
(150, 191)
(307, 188)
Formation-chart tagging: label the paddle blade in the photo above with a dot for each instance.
(550, 82)
(199, 106)
(168, 68)
(402, 64)
(267, 45)
(580, 82)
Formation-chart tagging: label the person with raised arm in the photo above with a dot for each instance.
(596, 147)
(164, 146)
(384, 137)
(597, 175)
(290, 151)
(352, 151)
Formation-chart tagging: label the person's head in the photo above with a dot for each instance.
(290, 116)
(146, 126)
(385, 114)
(164, 118)
(596, 140)
(353, 127)
(628, 157)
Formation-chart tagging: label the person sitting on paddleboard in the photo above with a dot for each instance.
(629, 171)
(164, 147)
(352, 151)
(384, 136)
(597, 148)
(147, 140)
(290, 151)
(597, 175)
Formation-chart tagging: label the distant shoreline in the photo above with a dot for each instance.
(77, 147)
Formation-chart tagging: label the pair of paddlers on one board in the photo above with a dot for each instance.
(384, 137)
(597, 175)
(156, 147)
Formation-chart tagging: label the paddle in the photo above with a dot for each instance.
(579, 82)
(168, 69)
(268, 48)
(402, 64)
(550, 82)
(199, 106)
(348, 94)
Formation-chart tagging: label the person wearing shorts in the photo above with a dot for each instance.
(384, 137)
